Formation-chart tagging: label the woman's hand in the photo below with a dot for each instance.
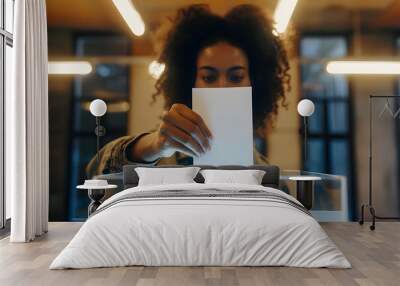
(181, 130)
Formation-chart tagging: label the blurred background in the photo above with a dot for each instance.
(117, 67)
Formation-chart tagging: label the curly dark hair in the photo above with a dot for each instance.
(246, 27)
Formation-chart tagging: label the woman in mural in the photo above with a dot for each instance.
(203, 49)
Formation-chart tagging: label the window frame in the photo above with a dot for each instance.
(6, 39)
(327, 136)
(72, 196)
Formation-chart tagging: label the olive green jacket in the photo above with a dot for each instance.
(114, 155)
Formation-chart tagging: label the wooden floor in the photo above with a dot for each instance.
(375, 257)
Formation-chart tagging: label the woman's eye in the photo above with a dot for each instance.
(236, 78)
(209, 78)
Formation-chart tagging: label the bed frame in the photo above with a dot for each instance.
(270, 179)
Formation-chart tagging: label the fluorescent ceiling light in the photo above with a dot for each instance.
(156, 69)
(130, 15)
(283, 12)
(363, 67)
(70, 67)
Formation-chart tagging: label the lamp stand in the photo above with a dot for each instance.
(305, 118)
(99, 131)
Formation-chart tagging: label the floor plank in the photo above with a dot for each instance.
(375, 257)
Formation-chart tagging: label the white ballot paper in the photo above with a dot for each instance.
(228, 114)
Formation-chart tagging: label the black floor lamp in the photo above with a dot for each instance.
(96, 193)
(305, 108)
(305, 184)
(98, 108)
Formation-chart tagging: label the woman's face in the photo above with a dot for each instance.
(222, 65)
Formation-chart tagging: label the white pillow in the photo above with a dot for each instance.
(248, 177)
(165, 176)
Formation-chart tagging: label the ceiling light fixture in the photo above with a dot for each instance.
(69, 68)
(130, 15)
(283, 12)
(363, 67)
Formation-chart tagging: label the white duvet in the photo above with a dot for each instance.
(200, 231)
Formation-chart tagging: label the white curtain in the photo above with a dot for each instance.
(27, 147)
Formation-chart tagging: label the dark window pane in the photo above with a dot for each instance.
(316, 121)
(338, 117)
(83, 148)
(311, 74)
(318, 83)
(102, 45)
(339, 157)
(323, 47)
(107, 81)
(338, 86)
(316, 159)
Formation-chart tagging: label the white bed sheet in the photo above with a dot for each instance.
(202, 232)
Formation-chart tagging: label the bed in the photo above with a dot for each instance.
(198, 224)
